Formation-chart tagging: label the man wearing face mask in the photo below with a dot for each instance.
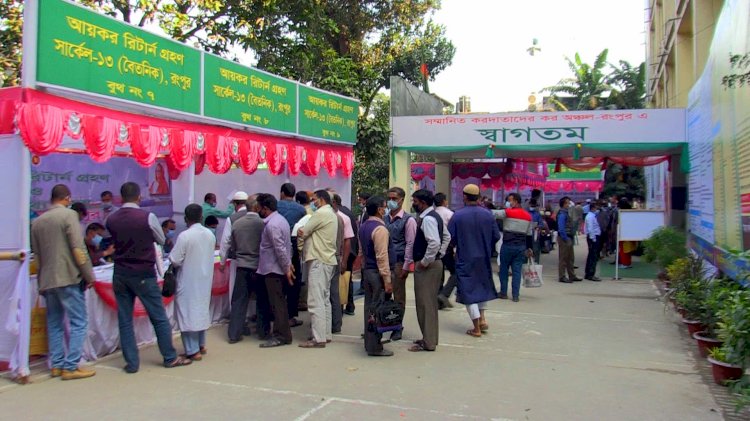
(430, 243)
(402, 229)
(108, 207)
(169, 227)
(376, 270)
(209, 208)
(319, 236)
(517, 243)
(566, 230)
(93, 240)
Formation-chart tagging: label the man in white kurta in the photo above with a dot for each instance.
(193, 253)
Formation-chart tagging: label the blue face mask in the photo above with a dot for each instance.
(107, 206)
(392, 205)
(170, 234)
(96, 240)
(213, 231)
(313, 206)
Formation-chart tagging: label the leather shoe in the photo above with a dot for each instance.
(593, 278)
(444, 302)
(502, 296)
(383, 353)
(396, 335)
(349, 312)
(79, 373)
(576, 279)
(272, 343)
(566, 281)
(56, 372)
(234, 341)
(515, 299)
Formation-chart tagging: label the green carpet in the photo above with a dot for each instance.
(640, 270)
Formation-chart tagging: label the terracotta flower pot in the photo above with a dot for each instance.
(693, 326)
(724, 371)
(681, 311)
(705, 343)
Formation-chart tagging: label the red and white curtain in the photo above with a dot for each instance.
(43, 120)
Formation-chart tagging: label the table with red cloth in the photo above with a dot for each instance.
(104, 336)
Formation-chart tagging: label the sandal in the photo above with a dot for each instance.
(472, 332)
(419, 342)
(203, 350)
(312, 339)
(179, 362)
(295, 323)
(195, 357)
(484, 327)
(312, 344)
(419, 348)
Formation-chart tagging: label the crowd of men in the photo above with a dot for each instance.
(298, 252)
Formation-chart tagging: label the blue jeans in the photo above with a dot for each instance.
(511, 257)
(66, 301)
(126, 288)
(193, 341)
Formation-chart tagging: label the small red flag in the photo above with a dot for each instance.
(424, 71)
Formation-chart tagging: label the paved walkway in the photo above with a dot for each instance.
(586, 351)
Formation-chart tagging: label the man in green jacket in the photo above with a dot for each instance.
(209, 208)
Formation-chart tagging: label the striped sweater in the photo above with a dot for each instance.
(516, 226)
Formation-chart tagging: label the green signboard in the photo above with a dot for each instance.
(80, 49)
(327, 116)
(83, 50)
(244, 95)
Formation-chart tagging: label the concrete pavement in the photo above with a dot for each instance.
(583, 351)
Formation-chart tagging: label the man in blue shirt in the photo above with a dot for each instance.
(292, 212)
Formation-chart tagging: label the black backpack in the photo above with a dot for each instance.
(388, 316)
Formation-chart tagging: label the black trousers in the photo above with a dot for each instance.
(247, 282)
(373, 286)
(293, 291)
(593, 257)
(350, 297)
(275, 287)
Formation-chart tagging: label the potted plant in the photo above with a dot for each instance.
(723, 371)
(716, 296)
(690, 298)
(665, 245)
(678, 272)
(734, 331)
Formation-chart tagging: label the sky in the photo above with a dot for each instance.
(491, 37)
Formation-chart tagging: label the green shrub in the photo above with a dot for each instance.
(665, 245)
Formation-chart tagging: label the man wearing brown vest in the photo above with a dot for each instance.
(134, 232)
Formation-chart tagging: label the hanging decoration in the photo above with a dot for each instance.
(43, 120)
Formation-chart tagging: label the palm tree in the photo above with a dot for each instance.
(586, 86)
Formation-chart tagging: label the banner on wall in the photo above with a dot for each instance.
(88, 179)
(648, 126)
(719, 141)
